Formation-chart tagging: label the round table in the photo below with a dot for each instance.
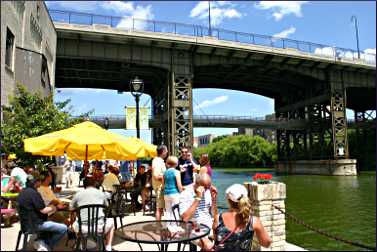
(157, 232)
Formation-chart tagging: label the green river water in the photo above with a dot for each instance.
(343, 206)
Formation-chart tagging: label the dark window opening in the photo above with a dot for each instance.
(45, 77)
(9, 49)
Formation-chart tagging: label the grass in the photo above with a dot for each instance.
(242, 169)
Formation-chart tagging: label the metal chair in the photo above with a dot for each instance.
(151, 203)
(95, 229)
(177, 216)
(119, 206)
(27, 228)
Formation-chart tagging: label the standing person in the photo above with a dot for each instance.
(172, 186)
(205, 166)
(32, 207)
(198, 203)
(91, 195)
(158, 169)
(186, 167)
(236, 227)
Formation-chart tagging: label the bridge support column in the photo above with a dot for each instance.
(161, 112)
(338, 116)
(180, 127)
(180, 115)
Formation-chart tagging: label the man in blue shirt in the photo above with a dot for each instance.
(186, 167)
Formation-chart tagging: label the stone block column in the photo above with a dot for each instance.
(263, 198)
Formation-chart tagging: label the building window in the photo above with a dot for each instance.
(38, 10)
(9, 49)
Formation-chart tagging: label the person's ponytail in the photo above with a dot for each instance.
(244, 209)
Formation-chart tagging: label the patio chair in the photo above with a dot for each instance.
(93, 229)
(119, 206)
(151, 203)
(27, 228)
(177, 216)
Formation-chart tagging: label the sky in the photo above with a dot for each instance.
(320, 22)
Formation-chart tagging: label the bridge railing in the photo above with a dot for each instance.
(195, 117)
(129, 23)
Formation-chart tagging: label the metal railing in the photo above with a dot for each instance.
(194, 117)
(129, 23)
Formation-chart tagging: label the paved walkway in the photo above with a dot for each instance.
(9, 237)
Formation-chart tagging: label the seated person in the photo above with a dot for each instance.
(139, 185)
(146, 193)
(9, 184)
(32, 207)
(49, 198)
(198, 204)
(20, 173)
(111, 179)
(92, 195)
(237, 226)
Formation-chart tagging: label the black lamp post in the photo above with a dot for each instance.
(137, 88)
(209, 19)
(354, 18)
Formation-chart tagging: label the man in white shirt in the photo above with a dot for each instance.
(158, 169)
(199, 204)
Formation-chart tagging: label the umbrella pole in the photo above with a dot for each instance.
(86, 153)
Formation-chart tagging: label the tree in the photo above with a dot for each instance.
(239, 151)
(31, 115)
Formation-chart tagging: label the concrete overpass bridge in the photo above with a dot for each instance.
(308, 81)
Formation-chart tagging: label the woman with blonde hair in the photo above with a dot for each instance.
(172, 186)
(237, 226)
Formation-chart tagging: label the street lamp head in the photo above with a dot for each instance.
(136, 86)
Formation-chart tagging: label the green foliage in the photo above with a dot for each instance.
(239, 151)
(31, 115)
(363, 147)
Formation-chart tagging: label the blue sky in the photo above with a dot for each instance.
(326, 23)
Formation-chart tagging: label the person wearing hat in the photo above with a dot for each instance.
(236, 227)
(32, 208)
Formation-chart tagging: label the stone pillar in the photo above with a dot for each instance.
(263, 197)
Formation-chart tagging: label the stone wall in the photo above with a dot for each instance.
(340, 167)
(263, 198)
(33, 29)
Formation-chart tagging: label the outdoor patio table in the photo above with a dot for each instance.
(9, 197)
(157, 232)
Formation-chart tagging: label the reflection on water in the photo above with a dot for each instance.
(343, 206)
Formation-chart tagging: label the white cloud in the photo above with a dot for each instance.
(285, 33)
(370, 51)
(208, 103)
(220, 10)
(73, 5)
(282, 8)
(325, 51)
(368, 55)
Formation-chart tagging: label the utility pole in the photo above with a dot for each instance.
(354, 18)
(209, 19)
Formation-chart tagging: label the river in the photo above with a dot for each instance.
(341, 205)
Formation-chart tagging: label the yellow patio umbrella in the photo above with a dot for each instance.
(82, 141)
(136, 146)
